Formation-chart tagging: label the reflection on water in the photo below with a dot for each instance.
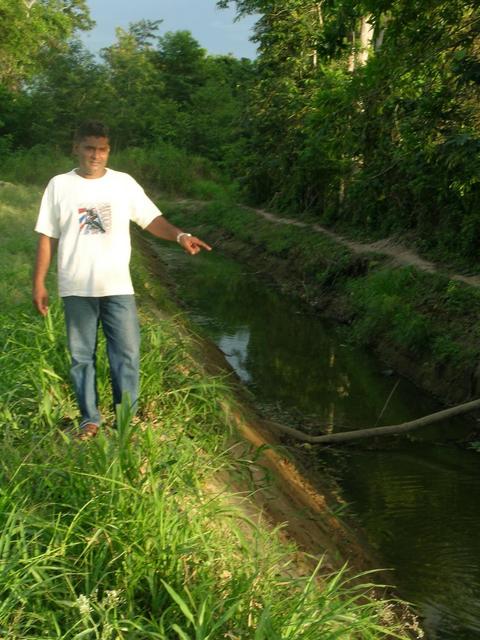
(235, 349)
(417, 502)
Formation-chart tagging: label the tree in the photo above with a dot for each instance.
(289, 38)
(134, 94)
(181, 62)
(69, 88)
(216, 108)
(366, 112)
(29, 27)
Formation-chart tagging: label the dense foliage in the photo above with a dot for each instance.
(362, 113)
(152, 90)
(366, 114)
(29, 27)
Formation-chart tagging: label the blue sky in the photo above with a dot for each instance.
(213, 28)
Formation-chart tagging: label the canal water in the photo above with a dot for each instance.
(418, 499)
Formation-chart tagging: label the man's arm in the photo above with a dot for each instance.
(45, 251)
(161, 228)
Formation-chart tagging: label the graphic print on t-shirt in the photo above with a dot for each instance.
(95, 218)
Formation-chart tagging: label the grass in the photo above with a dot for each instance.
(425, 314)
(119, 538)
(160, 168)
(310, 255)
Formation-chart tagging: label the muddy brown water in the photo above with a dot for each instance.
(417, 498)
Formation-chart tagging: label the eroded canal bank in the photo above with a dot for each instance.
(423, 324)
(416, 498)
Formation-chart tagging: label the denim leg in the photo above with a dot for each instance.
(119, 320)
(81, 318)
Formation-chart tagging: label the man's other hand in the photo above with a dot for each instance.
(40, 300)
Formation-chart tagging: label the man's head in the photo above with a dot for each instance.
(92, 146)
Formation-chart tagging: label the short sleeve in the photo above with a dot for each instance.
(49, 214)
(143, 211)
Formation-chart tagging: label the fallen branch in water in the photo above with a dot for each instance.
(360, 434)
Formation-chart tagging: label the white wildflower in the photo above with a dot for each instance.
(84, 606)
(388, 613)
(107, 631)
(112, 599)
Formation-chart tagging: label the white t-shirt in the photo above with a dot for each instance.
(91, 219)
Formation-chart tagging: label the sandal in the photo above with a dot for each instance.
(87, 431)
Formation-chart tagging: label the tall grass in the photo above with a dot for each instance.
(161, 168)
(119, 538)
(165, 168)
(34, 166)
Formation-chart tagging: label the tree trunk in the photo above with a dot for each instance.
(372, 432)
(366, 37)
(351, 57)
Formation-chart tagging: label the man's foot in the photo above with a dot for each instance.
(87, 431)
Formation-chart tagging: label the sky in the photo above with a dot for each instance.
(213, 28)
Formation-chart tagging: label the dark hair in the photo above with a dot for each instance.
(93, 128)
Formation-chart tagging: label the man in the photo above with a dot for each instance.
(87, 213)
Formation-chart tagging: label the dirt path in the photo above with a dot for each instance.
(399, 254)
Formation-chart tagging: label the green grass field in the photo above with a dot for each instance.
(118, 538)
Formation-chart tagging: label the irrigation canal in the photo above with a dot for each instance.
(418, 500)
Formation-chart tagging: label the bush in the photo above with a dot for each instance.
(165, 168)
(34, 166)
(160, 168)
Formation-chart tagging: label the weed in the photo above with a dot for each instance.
(34, 166)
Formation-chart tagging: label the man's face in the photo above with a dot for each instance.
(92, 154)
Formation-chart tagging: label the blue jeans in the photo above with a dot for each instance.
(118, 317)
